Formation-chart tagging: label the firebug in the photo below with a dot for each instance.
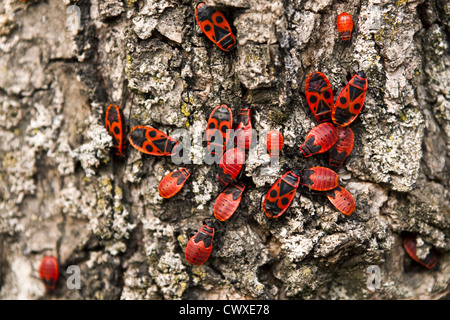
(200, 245)
(244, 128)
(230, 165)
(49, 272)
(219, 122)
(345, 26)
(350, 101)
(152, 141)
(319, 95)
(342, 199)
(115, 125)
(343, 147)
(320, 139)
(215, 26)
(319, 179)
(274, 143)
(228, 201)
(172, 183)
(410, 246)
(279, 197)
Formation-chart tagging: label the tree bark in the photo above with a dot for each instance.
(63, 193)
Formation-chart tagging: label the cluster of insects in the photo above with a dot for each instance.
(332, 135)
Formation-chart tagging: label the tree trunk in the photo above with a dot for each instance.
(63, 192)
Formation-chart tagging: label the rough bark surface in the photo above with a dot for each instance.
(63, 194)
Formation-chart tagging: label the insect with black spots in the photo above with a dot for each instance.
(280, 195)
(152, 141)
(115, 125)
(319, 95)
(351, 100)
(217, 130)
(215, 26)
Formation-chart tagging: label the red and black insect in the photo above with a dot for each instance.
(345, 26)
(410, 245)
(319, 95)
(279, 197)
(319, 179)
(230, 165)
(219, 122)
(172, 183)
(115, 124)
(343, 147)
(320, 139)
(216, 27)
(351, 100)
(342, 199)
(228, 201)
(274, 143)
(200, 245)
(244, 132)
(49, 272)
(152, 141)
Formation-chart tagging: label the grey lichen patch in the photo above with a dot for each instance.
(255, 68)
(391, 153)
(244, 248)
(151, 71)
(166, 266)
(423, 212)
(97, 149)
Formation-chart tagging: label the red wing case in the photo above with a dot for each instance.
(274, 143)
(115, 124)
(344, 24)
(214, 24)
(171, 184)
(200, 246)
(49, 272)
(319, 179)
(152, 141)
(320, 139)
(244, 130)
(343, 147)
(319, 95)
(220, 120)
(230, 165)
(279, 197)
(342, 199)
(350, 101)
(228, 201)
(410, 245)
